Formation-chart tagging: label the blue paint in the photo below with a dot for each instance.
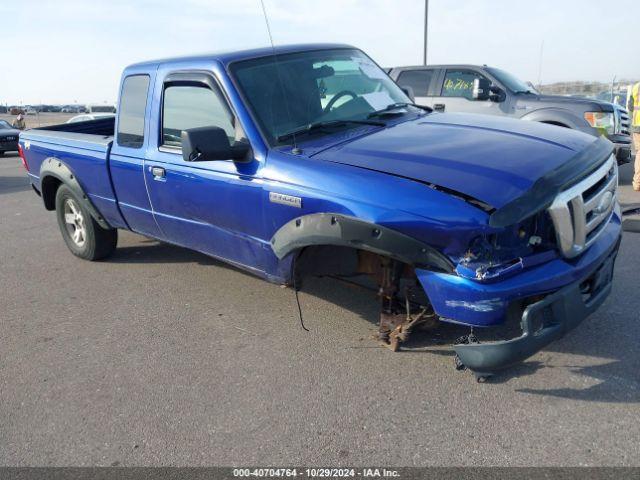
(456, 298)
(399, 176)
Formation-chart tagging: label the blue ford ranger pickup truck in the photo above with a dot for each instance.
(309, 160)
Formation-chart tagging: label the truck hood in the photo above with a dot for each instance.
(557, 100)
(494, 160)
(9, 132)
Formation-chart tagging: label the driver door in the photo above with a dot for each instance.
(456, 94)
(210, 206)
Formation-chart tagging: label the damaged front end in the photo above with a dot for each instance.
(546, 273)
(534, 269)
(545, 318)
(500, 255)
(517, 315)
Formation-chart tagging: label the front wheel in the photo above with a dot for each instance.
(82, 234)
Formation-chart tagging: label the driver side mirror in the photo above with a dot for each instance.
(409, 93)
(210, 143)
(481, 89)
(497, 94)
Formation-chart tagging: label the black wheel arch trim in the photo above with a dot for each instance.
(52, 167)
(346, 231)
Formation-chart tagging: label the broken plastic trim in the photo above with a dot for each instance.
(340, 230)
(546, 188)
(542, 322)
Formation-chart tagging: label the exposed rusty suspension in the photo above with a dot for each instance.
(396, 317)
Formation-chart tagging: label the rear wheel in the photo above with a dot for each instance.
(82, 234)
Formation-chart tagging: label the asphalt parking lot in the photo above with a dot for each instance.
(163, 356)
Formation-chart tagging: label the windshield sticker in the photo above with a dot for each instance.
(378, 100)
(369, 69)
(457, 85)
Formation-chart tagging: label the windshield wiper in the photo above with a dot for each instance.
(389, 109)
(326, 124)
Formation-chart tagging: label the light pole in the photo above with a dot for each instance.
(426, 28)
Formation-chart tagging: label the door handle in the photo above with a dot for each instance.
(157, 172)
(439, 107)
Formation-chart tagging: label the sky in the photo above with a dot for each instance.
(67, 51)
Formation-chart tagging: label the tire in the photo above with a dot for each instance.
(82, 234)
(1, 154)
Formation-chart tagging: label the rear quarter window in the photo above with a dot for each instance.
(418, 80)
(133, 104)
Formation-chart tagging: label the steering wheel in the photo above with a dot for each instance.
(336, 97)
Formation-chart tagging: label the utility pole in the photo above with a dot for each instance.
(613, 83)
(540, 65)
(426, 29)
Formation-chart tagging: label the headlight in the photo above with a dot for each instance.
(605, 122)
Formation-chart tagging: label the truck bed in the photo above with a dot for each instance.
(101, 126)
(84, 148)
(95, 135)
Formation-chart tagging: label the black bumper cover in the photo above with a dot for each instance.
(8, 146)
(542, 322)
(622, 148)
(623, 154)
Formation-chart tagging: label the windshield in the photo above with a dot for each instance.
(511, 82)
(4, 125)
(293, 91)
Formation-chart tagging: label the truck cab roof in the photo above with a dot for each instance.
(452, 65)
(228, 57)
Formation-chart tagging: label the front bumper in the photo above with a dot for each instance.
(10, 146)
(622, 148)
(485, 304)
(543, 322)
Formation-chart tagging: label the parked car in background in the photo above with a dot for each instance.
(16, 110)
(87, 117)
(8, 138)
(273, 167)
(73, 109)
(617, 97)
(100, 109)
(31, 111)
(3, 109)
(492, 91)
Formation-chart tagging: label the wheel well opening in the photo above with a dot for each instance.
(356, 266)
(402, 303)
(49, 188)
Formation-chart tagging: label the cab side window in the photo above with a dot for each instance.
(418, 80)
(133, 103)
(459, 83)
(190, 106)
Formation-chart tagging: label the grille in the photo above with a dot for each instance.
(580, 213)
(624, 122)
